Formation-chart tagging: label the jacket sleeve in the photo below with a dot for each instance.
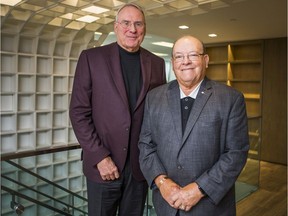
(150, 164)
(217, 181)
(81, 113)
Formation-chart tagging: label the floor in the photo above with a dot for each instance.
(271, 197)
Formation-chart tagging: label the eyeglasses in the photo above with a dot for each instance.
(127, 24)
(191, 56)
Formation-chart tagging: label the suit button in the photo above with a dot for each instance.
(179, 167)
(127, 129)
(124, 149)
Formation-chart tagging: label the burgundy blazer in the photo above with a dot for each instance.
(99, 108)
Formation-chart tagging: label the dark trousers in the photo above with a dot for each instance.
(124, 195)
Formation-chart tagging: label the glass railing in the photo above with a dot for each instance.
(52, 183)
(27, 193)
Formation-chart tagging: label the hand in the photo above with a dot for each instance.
(187, 197)
(108, 169)
(168, 189)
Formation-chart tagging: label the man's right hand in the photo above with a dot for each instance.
(168, 189)
(108, 169)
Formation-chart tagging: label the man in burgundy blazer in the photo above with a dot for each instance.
(104, 117)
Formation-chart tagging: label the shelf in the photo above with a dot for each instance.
(43, 84)
(62, 49)
(254, 134)
(245, 51)
(8, 143)
(239, 65)
(9, 42)
(217, 72)
(8, 103)
(60, 66)
(8, 63)
(43, 139)
(60, 171)
(8, 83)
(44, 65)
(60, 102)
(26, 141)
(43, 102)
(59, 136)
(26, 102)
(43, 160)
(60, 119)
(60, 157)
(252, 96)
(245, 71)
(60, 84)
(26, 64)
(45, 47)
(25, 121)
(71, 136)
(43, 120)
(8, 123)
(26, 83)
(217, 53)
(247, 88)
(72, 66)
(27, 45)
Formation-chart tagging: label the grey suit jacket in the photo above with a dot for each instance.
(212, 151)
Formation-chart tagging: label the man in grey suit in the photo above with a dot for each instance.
(194, 138)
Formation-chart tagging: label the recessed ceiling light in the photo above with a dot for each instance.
(212, 35)
(163, 43)
(183, 27)
(88, 19)
(10, 2)
(95, 9)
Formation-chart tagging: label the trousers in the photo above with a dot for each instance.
(123, 197)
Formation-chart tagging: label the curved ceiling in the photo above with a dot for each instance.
(231, 20)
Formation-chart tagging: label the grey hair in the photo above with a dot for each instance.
(129, 5)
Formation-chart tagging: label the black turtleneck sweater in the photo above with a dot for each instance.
(131, 70)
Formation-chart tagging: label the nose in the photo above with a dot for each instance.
(186, 59)
(132, 27)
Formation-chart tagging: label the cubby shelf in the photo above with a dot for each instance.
(37, 75)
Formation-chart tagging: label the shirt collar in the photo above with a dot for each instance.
(193, 94)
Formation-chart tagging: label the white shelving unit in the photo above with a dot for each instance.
(37, 75)
(36, 83)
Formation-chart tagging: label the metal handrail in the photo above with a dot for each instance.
(13, 192)
(15, 155)
(46, 180)
(43, 194)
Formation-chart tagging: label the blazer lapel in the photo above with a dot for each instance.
(203, 95)
(146, 76)
(174, 106)
(114, 65)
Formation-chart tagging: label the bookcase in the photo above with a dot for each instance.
(37, 74)
(240, 65)
(36, 82)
